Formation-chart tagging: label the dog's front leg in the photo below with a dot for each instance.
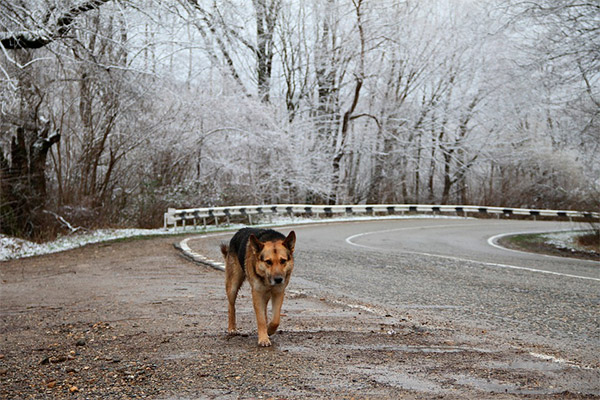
(276, 302)
(260, 300)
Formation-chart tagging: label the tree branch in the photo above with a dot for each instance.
(352, 118)
(35, 39)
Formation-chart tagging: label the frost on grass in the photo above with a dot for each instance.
(11, 248)
(565, 240)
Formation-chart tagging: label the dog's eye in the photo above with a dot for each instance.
(269, 262)
(283, 261)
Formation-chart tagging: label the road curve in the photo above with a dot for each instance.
(475, 241)
(447, 269)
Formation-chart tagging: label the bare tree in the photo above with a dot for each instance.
(125, 108)
(23, 172)
(561, 42)
(226, 41)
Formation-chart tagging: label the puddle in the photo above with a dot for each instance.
(539, 366)
(398, 379)
(494, 386)
(418, 349)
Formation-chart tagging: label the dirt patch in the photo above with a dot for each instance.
(133, 319)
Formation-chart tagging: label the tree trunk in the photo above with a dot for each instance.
(24, 181)
(266, 19)
(344, 133)
(448, 182)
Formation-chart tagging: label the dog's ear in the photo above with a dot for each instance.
(255, 244)
(290, 241)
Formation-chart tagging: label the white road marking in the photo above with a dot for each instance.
(350, 239)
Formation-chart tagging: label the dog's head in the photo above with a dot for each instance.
(274, 258)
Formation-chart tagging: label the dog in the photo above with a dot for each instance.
(265, 258)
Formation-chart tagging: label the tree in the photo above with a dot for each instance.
(349, 114)
(23, 172)
(561, 43)
(21, 29)
(216, 102)
(223, 31)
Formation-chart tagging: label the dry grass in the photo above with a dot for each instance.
(590, 241)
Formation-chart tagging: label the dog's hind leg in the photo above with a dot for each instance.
(234, 277)
(276, 302)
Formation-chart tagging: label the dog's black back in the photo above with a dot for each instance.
(239, 241)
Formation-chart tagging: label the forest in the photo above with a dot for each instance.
(113, 110)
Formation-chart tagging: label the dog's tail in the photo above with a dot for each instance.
(224, 249)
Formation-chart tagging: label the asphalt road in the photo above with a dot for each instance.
(447, 269)
(132, 319)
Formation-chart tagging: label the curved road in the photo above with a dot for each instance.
(469, 240)
(447, 269)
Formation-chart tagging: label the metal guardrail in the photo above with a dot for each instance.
(173, 217)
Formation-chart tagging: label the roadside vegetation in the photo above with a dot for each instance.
(578, 244)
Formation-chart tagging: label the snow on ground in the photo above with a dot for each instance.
(566, 240)
(560, 239)
(12, 248)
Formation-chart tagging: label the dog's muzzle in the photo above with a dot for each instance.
(277, 280)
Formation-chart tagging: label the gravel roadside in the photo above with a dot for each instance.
(133, 319)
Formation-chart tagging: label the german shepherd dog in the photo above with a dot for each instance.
(266, 258)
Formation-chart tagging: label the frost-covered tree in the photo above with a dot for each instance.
(195, 102)
(27, 129)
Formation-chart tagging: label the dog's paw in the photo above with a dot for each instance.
(265, 342)
(232, 332)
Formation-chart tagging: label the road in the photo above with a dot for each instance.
(447, 269)
(380, 310)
